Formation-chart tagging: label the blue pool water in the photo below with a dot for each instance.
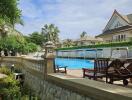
(74, 63)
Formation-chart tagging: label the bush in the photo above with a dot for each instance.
(5, 70)
(10, 87)
(17, 44)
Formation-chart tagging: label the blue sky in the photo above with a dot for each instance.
(71, 16)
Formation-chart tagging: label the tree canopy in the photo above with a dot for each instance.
(19, 45)
(9, 12)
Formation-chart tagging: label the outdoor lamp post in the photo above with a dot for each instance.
(49, 47)
(49, 58)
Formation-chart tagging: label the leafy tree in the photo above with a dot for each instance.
(10, 15)
(11, 42)
(16, 43)
(50, 33)
(27, 38)
(9, 12)
(36, 38)
(30, 47)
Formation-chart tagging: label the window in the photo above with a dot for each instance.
(122, 37)
(118, 25)
(119, 37)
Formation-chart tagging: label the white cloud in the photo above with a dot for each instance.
(71, 16)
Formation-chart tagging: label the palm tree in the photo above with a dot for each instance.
(68, 43)
(51, 33)
(83, 34)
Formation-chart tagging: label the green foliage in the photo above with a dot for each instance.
(116, 44)
(19, 44)
(68, 43)
(35, 38)
(50, 32)
(30, 47)
(9, 12)
(10, 42)
(5, 70)
(10, 86)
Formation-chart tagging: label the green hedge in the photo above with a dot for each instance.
(116, 44)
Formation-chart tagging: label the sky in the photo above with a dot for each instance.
(72, 17)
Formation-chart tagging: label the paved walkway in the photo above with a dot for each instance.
(75, 72)
(79, 74)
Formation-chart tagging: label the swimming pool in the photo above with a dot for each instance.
(74, 63)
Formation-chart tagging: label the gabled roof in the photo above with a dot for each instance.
(127, 27)
(129, 17)
(126, 18)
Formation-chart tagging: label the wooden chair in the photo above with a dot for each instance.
(99, 71)
(119, 72)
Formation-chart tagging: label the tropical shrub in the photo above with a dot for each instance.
(5, 70)
(19, 44)
(10, 87)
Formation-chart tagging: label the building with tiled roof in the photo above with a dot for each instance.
(118, 28)
(88, 40)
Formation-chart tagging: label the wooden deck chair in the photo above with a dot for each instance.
(99, 71)
(119, 72)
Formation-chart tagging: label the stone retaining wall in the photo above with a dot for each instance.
(58, 87)
(47, 90)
